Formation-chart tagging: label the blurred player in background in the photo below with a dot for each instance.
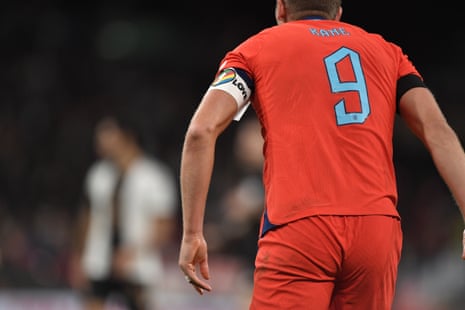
(130, 217)
(326, 94)
(240, 207)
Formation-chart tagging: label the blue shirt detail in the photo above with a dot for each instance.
(267, 225)
(314, 17)
(246, 78)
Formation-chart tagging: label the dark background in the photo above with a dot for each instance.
(62, 64)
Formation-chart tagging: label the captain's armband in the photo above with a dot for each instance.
(238, 84)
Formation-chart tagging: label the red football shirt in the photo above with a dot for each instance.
(325, 94)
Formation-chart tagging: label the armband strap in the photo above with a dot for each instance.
(406, 83)
(238, 84)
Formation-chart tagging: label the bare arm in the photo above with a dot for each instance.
(77, 278)
(163, 232)
(422, 114)
(213, 115)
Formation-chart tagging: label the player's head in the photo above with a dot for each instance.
(287, 10)
(115, 134)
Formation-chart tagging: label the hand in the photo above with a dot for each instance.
(123, 259)
(194, 252)
(77, 278)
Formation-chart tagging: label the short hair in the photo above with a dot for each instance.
(328, 7)
(127, 119)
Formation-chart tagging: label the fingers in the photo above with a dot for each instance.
(204, 270)
(199, 285)
(192, 278)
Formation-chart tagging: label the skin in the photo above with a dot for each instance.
(418, 108)
(119, 146)
(214, 114)
(421, 112)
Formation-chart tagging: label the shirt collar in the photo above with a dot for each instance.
(314, 17)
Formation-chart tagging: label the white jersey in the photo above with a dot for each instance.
(148, 191)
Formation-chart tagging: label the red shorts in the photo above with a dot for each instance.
(328, 262)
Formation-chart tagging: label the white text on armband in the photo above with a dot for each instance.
(232, 83)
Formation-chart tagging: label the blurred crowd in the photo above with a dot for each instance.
(62, 67)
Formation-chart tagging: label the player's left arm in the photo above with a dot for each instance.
(228, 95)
(214, 114)
(419, 109)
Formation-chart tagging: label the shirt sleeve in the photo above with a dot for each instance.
(238, 84)
(240, 60)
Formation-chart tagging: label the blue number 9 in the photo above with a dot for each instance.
(342, 116)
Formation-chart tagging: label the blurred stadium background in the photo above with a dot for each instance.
(62, 62)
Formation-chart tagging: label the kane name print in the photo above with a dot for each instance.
(332, 32)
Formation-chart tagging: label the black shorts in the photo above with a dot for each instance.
(129, 293)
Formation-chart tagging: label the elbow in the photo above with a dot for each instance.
(198, 135)
(199, 132)
(439, 135)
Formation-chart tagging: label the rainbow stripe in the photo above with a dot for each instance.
(226, 76)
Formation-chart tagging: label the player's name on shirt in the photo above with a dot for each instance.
(332, 32)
